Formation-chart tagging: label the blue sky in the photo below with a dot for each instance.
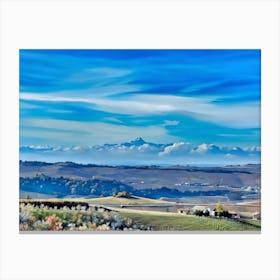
(92, 97)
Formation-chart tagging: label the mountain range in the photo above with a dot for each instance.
(139, 151)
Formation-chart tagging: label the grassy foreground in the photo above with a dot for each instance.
(74, 214)
(165, 222)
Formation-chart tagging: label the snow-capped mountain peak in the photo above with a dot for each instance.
(137, 142)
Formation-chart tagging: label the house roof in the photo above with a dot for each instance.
(198, 208)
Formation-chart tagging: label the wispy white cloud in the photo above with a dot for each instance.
(127, 107)
(235, 115)
(24, 105)
(113, 119)
(98, 73)
(171, 123)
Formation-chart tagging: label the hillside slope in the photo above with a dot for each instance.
(141, 177)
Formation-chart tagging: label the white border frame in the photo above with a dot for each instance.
(140, 24)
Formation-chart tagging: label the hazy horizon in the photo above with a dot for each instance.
(140, 152)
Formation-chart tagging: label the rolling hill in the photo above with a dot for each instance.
(67, 179)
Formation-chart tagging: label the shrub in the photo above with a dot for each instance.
(198, 213)
(103, 227)
(41, 225)
(54, 222)
(206, 213)
(34, 217)
(220, 211)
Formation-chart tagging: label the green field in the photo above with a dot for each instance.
(175, 222)
(256, 223)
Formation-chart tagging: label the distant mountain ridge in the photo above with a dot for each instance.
(139, 151)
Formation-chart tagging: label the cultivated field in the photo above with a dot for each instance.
(109, 213)
(176, 222)
(133, 200)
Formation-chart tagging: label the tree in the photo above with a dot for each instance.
(198, 213)
(220, 210)
(123, 194)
